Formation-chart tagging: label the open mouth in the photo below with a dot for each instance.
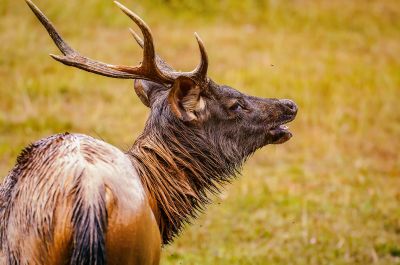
(280, 133)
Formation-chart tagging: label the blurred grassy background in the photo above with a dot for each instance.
(331, 195)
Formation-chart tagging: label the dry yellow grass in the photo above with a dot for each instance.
(329, 196)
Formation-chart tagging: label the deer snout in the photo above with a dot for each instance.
(289, 106)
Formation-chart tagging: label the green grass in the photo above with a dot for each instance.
(331, 195)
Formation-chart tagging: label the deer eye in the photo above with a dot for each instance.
(236, 106)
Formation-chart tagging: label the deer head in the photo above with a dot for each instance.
(198, 132)
(246, 122)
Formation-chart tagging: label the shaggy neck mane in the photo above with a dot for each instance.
(179, 168)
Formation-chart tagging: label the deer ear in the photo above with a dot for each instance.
(185, 99)
(141, 89)
(145, 90)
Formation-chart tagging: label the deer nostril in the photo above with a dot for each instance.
(290, 105)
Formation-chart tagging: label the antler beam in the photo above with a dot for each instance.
(152, 68)
(72, 57)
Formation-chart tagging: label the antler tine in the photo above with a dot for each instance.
(201, 70)
(149, 56)
(58, 40)
(137, 38)
(72, 57)
(160, 62)
(148, 48)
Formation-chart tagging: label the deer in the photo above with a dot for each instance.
(74, 199)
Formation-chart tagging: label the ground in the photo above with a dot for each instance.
(330, 195)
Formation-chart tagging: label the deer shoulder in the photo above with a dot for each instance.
(75, 185)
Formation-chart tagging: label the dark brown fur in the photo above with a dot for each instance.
(179, 175)
(182, 163)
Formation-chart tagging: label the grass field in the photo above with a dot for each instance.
(331, 195)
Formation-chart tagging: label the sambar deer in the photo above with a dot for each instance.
(73, 199)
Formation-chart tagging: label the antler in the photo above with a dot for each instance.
(152, 68)
(200, 73)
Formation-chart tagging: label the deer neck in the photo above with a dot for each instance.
(178, 177)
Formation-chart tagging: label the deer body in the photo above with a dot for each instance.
(80, 191)
(72, 199)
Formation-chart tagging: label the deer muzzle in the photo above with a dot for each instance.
(280, 133)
